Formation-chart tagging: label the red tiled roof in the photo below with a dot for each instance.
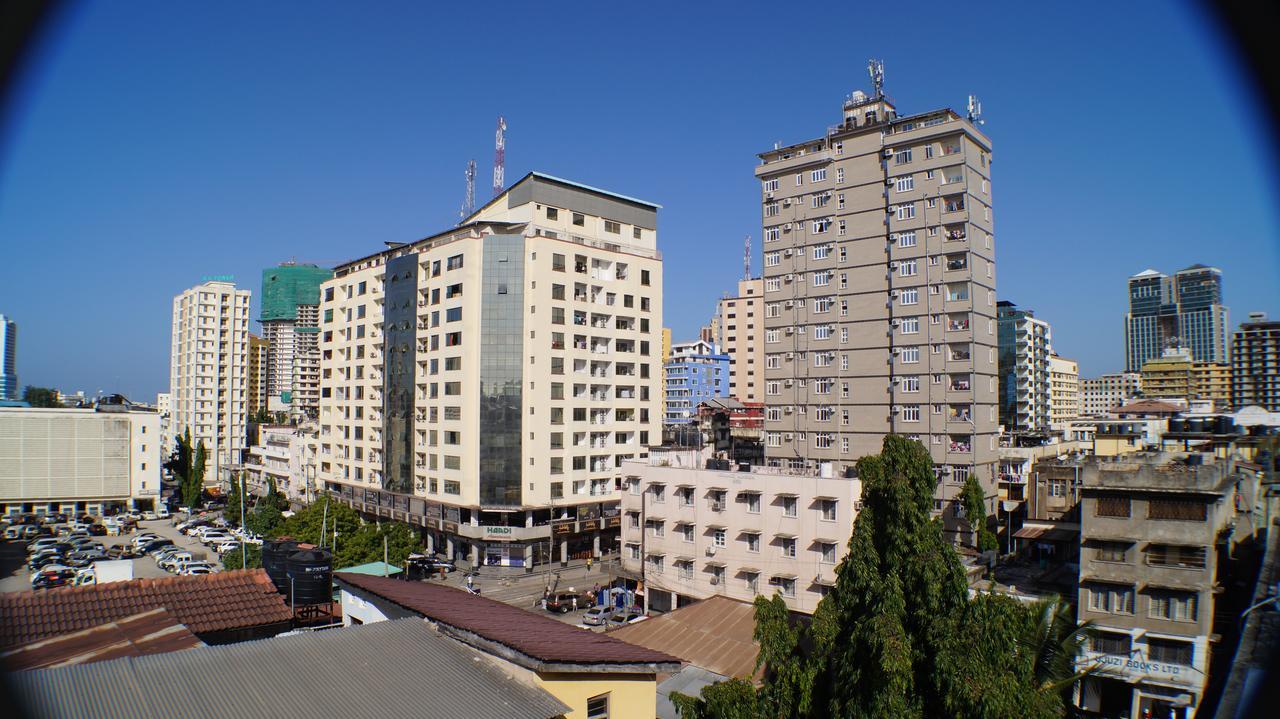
(209, 603)
(1147, 406)
(152, 632)
(534, 635)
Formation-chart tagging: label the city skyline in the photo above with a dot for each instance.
(227, 141)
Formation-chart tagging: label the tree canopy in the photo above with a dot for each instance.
(898, 635)
(40, 397)
(358, 542)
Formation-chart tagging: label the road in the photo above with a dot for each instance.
(17, 579)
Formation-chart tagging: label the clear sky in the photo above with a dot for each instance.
(158, 142)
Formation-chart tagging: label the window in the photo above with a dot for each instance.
(454, 263)
(1190, 510)
(827, 509)
(818, 175)
(906, 239)
(799, 179)
(771, 185)
(718, 537)
(598, 707)
(1112, 507)
(1111, 552)
(821, 252)
(905, 212)
(788, 506)
(910, 325)
(1170, 651)
(821, 226)
(1110, 598)
(553, 213)
(1173, 555)
(911, 413)
(772, 259)
(902, 156)
(839, 175)
(772, 234)
(785, 585)
(1173, 606)
(910, 384)
(907, 268)
(904, 183)
(910, 355)
(788, 546)
(644, 277)
(909, 297)
(753, 542)
(557, 262)
(612, 227)
(828, 552)
(1111, 643)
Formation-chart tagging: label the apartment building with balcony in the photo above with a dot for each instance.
(285, 455)
(1156, 535)
(1064, 391)
(695, 372)
(742, 338)
(1255, 363)
(1026, 344)
(79, 460)
(879, 291)
(694, 533)
(1100, 395)
(209, 373)
(487, 382)
(291, 325)
(1176, 376)
(256, 385)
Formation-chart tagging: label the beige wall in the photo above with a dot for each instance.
(630, 696)
(1064, 391)
(742, 338)
(646, 508)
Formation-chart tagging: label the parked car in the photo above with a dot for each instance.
(44, 560)
(41, 544)
(195, 571)
(22, 531)
(84, 576)
(122, 551)
(626, 616)
(565, 602)
(52, 576)
(86, 557)
(155, 545)
(149, 516)
(97, 530)
(596, 616)
(172, 560)
(189, 565)
(214, 538)
(225, 547)
(162, 513)
(143, 538)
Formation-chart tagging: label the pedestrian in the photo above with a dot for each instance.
(588, 564)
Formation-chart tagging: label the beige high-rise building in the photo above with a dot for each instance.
(1176, 376)
(1064, 391)
(1100, 395)
(487, 382)
(742, 332)
(880, 300)
(257, 384)
(209, 373)
(666, 357)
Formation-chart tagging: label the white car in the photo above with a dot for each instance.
(175, 560)
(194, 571)
(189, 566)
(216, 538)
(225, 547)
(144, 538)
(162, 513)
(149, 516)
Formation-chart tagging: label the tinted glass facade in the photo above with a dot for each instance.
(400, 314)
(501, 373)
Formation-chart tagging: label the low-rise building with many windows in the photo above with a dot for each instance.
(694, 533)
(696, 372)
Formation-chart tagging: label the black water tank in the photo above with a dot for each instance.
(1226, 425)
(275, 552)
(1177, 426)
(1195, 425)
(311, 576)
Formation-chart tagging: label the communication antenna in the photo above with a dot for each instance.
(469, 205)
(500, 157)
(875, 68)
(746, 259)
(975, 110)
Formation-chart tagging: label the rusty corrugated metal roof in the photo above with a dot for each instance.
(714, 634)
(151, 632)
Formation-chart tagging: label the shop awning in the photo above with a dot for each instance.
(1047, 534)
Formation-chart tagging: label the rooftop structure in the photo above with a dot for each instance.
(154, 631)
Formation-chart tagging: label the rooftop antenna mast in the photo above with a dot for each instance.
(469, 205)
(500, 157)
(746, 259)
(975, 110)
(875, 68)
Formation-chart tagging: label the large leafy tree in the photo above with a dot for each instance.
(358, 542)
(973, 499)
(898, 635)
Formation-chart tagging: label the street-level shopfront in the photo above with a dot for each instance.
(515, 538)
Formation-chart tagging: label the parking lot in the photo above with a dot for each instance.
(13, 557)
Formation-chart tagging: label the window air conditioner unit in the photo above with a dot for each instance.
(889, 180)
(891, 209)
(897, 350)
(897, 380)
(786, 252)
(888, 152)
(769, 195)
(787, 383)
(896, 409)
(895, 322)
(711, 551)
(791, 330)
(786, 202)
(789, 436)
(791, 355)
(787, 227)
(789, 277)
(786, 410)
(893, 293)
(893, 265)
(790, 303)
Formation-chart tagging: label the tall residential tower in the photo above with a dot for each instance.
(880, 308)
(1255, 363)
(290, 325)
(208, 372)
(487, 382)
(742, 332)
(1026, 344)
(9, 359)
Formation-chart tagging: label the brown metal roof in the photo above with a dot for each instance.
(714, 634)
(223, 601)
(151, 632)
(535, 635)
(1047, 534)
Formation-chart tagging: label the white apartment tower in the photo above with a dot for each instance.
(879, 287)
(208, 372)
(488, 381)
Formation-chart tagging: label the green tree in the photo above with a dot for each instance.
(973, 499)
(193, 485)
(1055, 641)
(40, 397)
(179, 462)
(232, 560)
(232, 512)
(732, 699)
(358, 542)
(264, 519)
(274, 497)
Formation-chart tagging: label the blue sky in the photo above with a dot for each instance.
(155, 143)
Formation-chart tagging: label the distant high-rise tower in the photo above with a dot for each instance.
(208, 375)
(291, 325)
(1255, 363)
(879, 292)
(742, 338)
(8, 359)
(1184, 310)
(1026, 344)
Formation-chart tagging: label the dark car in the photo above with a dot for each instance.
(44, 559)
(53, 578)
(565, 602)
(98, 530)
(155, 545)
(121, 551)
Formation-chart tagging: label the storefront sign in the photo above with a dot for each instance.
(499, 532)
(612, 522)
(1137, 665)
(562, 528)
(433, 523)
(450, 527)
